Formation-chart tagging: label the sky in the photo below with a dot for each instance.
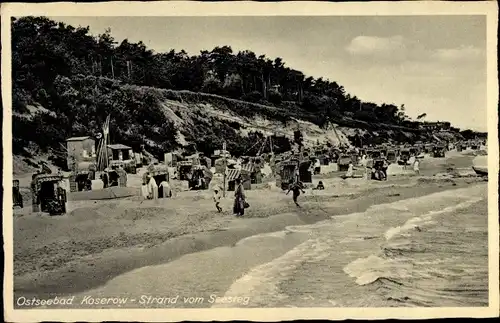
(431, 64)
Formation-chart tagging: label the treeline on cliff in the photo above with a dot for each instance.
(80, 78)
(44, 49)
(83, 103)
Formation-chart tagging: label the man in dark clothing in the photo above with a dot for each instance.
(385, 166)
(239, 199)
(296, 188)
(105, 179)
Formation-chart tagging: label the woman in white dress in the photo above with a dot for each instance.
(416, 166)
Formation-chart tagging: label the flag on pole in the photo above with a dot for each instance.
(225, 169)
(106, 140)
(102, 160)
(105, 128)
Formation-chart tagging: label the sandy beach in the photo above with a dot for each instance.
(99, 240)
(353, 152)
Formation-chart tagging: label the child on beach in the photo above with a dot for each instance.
(217, 199)
(320, 186)
(296, 188)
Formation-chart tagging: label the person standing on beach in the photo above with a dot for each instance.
(217, 198)
(296, 188)
(385, 166)
(239, 199)
(350, 170)
(105, 179)
(416, 166)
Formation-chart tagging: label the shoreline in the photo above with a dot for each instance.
(105, 265)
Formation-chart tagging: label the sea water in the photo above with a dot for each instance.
(426, 251)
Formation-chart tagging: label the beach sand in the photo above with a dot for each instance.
(99, 240)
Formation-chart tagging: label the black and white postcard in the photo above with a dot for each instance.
(176, 161)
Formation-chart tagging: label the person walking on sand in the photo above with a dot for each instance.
(385, 166)
(239, 199)
(416, 166)
(217, 198)
(296, 188)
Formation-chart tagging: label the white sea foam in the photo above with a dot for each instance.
(352, 239)
(258, 237)
(369, 269)
(262, 283)
(421, 204)
(418, 222)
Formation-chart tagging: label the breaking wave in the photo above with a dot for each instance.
(426, 251)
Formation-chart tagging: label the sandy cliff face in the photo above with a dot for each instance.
(186, 114)
(194, 116)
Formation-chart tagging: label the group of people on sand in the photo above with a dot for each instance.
(296, 187)
(240, 203)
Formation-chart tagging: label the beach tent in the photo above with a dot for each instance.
(233, 174)
(161, 176)
(317, 165)
(287, 173)
(266, 170)
(324, 160)
(253, 171)
(152, 188)
(219, 166)
(164, 190)
(122, 177)
(305, 175)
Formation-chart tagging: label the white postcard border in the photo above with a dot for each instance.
(189, 8)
